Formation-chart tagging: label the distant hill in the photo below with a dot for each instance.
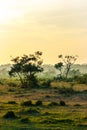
(49, 70)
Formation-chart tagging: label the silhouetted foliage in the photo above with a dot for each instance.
(53, 104)
(65, 64)
(25, 120)
(10, 114)
(81, 79)
(38, 103)
(26, 67)
(68, 61)
(27, 103)
(33, 111)
(62, 103)
(59, 67)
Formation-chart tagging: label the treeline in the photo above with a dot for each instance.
(27, 67)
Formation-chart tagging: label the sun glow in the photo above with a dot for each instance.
(30, 25)
(9, 11)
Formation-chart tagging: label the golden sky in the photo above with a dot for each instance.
(51, 26)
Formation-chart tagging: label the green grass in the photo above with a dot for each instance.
(73, 116)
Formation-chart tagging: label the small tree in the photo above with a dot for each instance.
(26, 68)
(59, 67)
(68, 61)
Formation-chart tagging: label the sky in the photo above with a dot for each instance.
(51, 26)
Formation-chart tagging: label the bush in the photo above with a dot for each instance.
(77, 105)
(47, 96)
(46, 84)
(53, 104)
(11, 90)
(62, 103)
(11, 84)
(38, 103)
(10, 114)
(33, 111)
(82, 79)
(49, 121)
(65, 90)
(27, 103)
(46, 114)
(56, 121)
(12, 102)
(25, 120)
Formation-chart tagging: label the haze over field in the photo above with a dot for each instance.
(51, 26)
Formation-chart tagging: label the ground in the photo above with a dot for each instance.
(48, 116)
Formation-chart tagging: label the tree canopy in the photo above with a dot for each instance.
(26, 67)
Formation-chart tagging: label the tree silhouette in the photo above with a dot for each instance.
(68, 60)
(59, 67)
(26, 68)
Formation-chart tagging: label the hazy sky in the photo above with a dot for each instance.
(51, 26)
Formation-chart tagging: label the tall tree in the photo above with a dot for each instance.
(26, 68)
(68, 60)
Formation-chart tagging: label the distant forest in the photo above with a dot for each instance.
(49, 70)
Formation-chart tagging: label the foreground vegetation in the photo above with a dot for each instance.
(60, 106)
(28, 102)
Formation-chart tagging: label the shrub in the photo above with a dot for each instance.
(46, 84)
(82, 79)
(56, 121)
(47, 96)
(77, 105)
(10, 114)
(12, 102)
(27, 103)
(53, 104)
(11, 90)
(49, 121)
(39, 103)
(62, 103)
(46, 114)
(33, 111)
(65, 90)
(11, 84)
(25, 120)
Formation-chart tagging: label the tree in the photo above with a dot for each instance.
(59, 67)
(68, 60)
(26, 68)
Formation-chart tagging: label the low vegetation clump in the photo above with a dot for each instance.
(33, 111)
(81, 79)
(77, 105)
(49, 121)
(10, 114)
(66, 90)
(47, 96)
(46, 114)
(46, 84)
(11, 90)
(11, 84)
(38, 103)
(56, 121)
(27, 103)
(12, 102)
(25, 120)
(62, 103)
(53, 104)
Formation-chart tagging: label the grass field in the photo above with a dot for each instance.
(49, 113)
